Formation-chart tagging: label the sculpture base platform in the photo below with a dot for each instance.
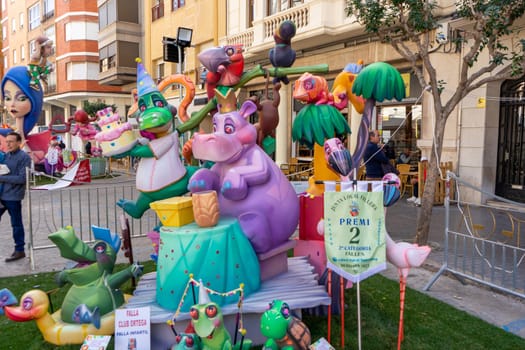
(275, 261)
(297, 286)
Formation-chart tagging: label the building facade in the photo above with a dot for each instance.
(74, 27)
(484, 135)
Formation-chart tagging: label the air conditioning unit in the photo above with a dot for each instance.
(442, 33)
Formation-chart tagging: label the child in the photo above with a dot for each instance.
(52, 158)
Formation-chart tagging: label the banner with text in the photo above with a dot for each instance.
(355, 233)
(132, 329)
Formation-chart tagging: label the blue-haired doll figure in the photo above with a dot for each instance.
(24, 104)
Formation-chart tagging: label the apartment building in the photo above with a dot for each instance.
(483, 136)
(96, 46)
(73, 26)
(481, 139)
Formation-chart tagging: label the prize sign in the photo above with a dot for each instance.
(355, 233)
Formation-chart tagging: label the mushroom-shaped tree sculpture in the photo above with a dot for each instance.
(378, 81)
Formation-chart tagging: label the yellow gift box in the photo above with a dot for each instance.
(174, 211)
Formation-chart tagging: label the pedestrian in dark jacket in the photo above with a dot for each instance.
(374, 157)
(13, 193)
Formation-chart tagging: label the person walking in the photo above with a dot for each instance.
(415, 184)
(13, 192)
(374, 157)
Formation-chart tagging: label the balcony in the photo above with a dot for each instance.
(48, 15)
(157, 11)
(319, 23)
(117, 76)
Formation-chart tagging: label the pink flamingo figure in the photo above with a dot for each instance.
(338, 158)
(404, 255)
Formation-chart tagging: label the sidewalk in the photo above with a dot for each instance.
(493, 307)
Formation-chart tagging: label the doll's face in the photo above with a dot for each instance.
(17, 103)
(47, 50)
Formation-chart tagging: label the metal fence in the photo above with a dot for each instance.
(483, 243)
(81, 207)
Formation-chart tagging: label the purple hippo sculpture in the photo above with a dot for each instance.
(249, 184)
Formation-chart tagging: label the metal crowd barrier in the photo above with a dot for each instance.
(81, 206)
(483, 243)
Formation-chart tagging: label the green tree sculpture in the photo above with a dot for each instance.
(378, 81)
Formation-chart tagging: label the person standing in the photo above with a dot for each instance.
(374, 157)
(52, 157)
(14, 191)
(405, 157)
(415, 183)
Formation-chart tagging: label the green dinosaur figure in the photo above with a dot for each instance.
(160, 172)
(283, 330)
(95, 286)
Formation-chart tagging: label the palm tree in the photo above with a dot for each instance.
(376, 82)
(311, 127)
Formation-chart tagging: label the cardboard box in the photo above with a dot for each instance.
(175, 211)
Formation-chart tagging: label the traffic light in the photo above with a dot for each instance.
(172, 51)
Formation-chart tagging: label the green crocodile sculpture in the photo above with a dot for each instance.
(94, 289)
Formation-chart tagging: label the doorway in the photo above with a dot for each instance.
(510, 172)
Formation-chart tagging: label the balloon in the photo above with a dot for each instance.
(391, 195)
(392, 179)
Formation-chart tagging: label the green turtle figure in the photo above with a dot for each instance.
(283, 330)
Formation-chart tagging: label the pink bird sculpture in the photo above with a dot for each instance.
(404, 256)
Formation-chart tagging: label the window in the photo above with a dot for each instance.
(251, 12)
(49, 32)
(13, 25)
(32, 46)
(107, 13)
(52, 82)
(157, 11)
(121, 53)
(4, 32)
(49, 9)
(14, 57)
(22, 52)
(159, 71)
(81, 31)
(6, 64)
(21, 20)
(107, 57)
(176, 4)
(81, 71)
(275, 6)
(34, 16)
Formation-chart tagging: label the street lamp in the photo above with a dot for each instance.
(183, 40)
(184, 36)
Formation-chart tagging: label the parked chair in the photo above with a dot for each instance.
(404, 177)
